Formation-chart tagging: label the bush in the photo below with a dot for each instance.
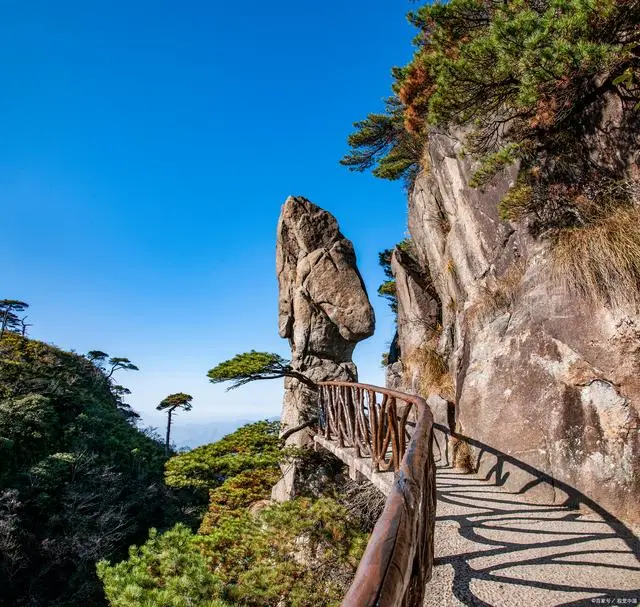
(168, 571)
(238, 493)
(516, 202)
(253, 447)
(301, 553)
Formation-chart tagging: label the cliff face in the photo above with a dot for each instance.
(324, 311)
(538, 373)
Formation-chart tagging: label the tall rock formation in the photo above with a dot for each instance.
(542, 376)
(324, 312)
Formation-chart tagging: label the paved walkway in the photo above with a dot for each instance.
(495, 549)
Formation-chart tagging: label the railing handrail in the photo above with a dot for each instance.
(410, 398)
(398, 559)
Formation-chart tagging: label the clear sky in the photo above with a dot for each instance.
(146, 150)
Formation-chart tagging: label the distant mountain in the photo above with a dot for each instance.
(193, 434)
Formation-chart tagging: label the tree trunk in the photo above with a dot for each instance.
(4, 321)
(285, 435)
(166, 445)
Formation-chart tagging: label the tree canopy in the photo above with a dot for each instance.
(120, 363)
(109, 365)
(253, 366)
(9, 319)
(382, 143)
(517, 75)
(175, 401)
(97, 356)
(180, 400)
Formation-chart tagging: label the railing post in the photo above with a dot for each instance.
(322, 410)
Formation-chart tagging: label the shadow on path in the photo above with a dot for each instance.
(494, 548)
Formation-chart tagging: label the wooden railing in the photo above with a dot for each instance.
(395, 430)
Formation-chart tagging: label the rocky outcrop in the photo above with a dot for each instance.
(420, 312)
(324, 311)
(546, 382)
(417, 316)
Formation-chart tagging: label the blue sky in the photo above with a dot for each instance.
(146, 150)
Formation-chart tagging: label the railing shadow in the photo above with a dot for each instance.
(507, 550)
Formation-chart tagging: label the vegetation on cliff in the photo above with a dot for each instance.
(519, 74)
(247, 551)
(78, 481)
(388, 288)
(534, 81)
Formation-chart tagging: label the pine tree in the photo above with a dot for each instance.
(253, 366)
(180, 400)
(518, 75)
(9, 319)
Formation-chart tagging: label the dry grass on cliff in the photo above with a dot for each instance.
(434, 375)
(601, 260)
(499, 296)
(461, 454)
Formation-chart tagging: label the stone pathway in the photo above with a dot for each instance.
(493, 548)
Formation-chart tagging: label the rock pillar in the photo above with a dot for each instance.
(324, 312)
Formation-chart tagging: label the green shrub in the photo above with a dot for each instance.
(516, 202)
(238, 493)
(302, 553)
(254, 446)
(388, 288)
(168, 571)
